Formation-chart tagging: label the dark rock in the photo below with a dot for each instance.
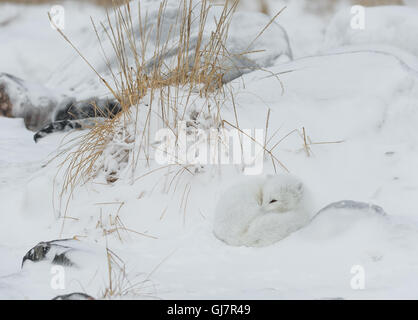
(6, 105)
(70, 109)
(57, 126)
(54, 251)
(79, 115)
(74, 296)
(16, 101)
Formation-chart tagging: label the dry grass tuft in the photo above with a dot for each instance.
(119, 285)
(194, 72)
(155, 90)
(196, 69)
(104, 3)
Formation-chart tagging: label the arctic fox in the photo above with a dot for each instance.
(262, 211)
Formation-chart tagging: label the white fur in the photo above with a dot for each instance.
(246, 216)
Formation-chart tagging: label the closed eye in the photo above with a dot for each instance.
(273, 201)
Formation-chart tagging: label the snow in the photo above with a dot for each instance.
(389, 25)
(356, 101)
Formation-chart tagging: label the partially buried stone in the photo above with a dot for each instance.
(5, 104)
(74, 296)
(355, 206)
(30, 101)
(54, 251)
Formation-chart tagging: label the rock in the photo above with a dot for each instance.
(13, 96)
(54, 251)
(70, 109)
(248, 49)
(362, 224)
(5, 104)
(65, 126)
(58, 269)
(74, 296)
(355, 206)
(344, 219)
(22, 99)
(72, 114)
(249, 46)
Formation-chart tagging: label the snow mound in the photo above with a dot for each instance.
(395, 26)
(249, 46)
(61, 269)
(365, 99)
(354, 225)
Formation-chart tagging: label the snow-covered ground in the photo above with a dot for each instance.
(355, 95)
